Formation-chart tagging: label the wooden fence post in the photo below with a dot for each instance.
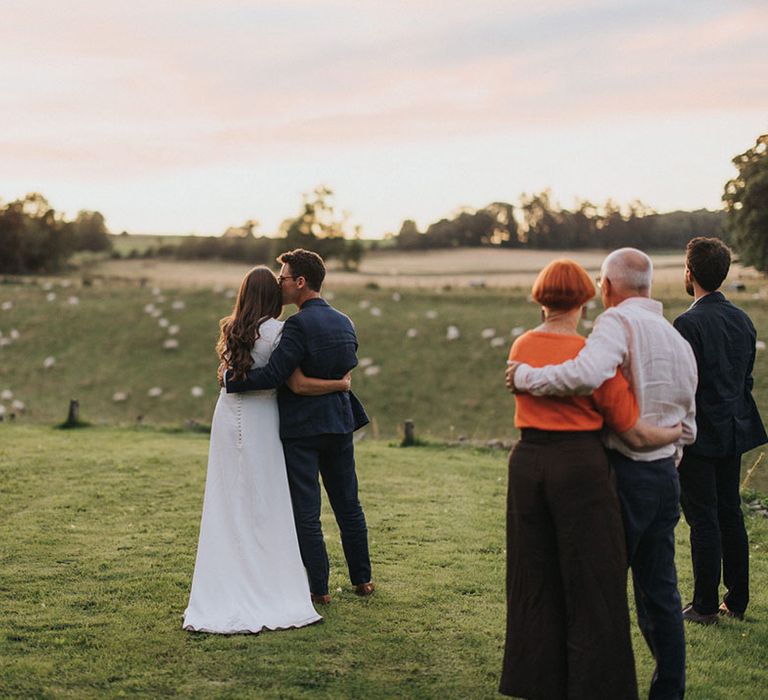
(409, 438)
(73, 417)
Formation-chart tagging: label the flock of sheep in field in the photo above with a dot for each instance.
(165, 309)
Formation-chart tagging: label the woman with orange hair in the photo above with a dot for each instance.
(567, 615)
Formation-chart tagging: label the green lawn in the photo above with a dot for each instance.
(98, 532)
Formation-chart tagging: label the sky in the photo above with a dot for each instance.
(189, 117)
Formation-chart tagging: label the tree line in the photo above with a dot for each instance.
(34, 237)
(317, 226)
(538, 222)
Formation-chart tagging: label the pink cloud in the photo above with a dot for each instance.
(104, 86)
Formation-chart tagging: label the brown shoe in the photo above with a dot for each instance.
(364, 589)
(727, 612)
(690, 614)
(324, 599)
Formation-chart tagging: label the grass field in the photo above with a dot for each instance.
(107, 344)
(98, 530)
(138, 244)
(394, 269)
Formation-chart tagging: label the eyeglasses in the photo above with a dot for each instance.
(599, 281)
(280, 278)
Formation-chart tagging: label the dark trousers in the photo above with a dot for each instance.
(712, 506)
(649, 493)
(332, 457)
(567, 615)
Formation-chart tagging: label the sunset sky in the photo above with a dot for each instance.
(180, 117)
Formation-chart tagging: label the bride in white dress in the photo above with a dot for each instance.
(248, 572)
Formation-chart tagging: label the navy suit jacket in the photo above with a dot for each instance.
(723, 339)
(322, 341)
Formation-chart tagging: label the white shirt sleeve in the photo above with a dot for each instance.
(606, 350)
(689, 427)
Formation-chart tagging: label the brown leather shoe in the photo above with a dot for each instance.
(365, 588)
(727, 612)
(699, 618)
(324, 599)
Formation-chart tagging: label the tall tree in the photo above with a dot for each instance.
(504, 226)
(410, 236)
(320, 228)
(90, 231)
(33, 236)
(542, 220)
(746, 205)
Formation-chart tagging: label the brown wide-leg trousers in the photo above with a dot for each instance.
(567, 616)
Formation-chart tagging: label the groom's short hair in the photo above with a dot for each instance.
(306, 264)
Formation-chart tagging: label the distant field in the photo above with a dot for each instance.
(139, 244)
(107, 344)
(421, 269)
(108, 352)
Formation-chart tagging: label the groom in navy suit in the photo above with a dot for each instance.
(723, 340)
(317, 430)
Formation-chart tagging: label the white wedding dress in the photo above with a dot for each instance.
(248, 573)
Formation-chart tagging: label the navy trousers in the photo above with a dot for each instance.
(649, 493)
(712, 506)
(332, 457)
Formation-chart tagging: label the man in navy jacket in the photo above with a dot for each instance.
(723, 340)
(317, 430)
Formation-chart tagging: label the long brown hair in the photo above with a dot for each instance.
(258, 300)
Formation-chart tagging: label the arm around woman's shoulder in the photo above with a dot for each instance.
(605, 351)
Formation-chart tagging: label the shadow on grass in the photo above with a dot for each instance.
(72, 425)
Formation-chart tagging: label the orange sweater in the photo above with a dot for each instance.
(613, 402)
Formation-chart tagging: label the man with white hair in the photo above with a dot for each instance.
(633, 335)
